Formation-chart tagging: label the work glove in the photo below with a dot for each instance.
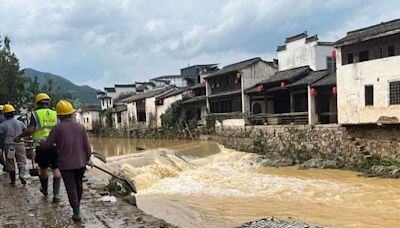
(90, 163)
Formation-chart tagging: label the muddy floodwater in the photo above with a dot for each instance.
(201, 184)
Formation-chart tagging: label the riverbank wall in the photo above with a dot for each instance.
(372, 149)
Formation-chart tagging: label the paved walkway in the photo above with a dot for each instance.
(25, 206)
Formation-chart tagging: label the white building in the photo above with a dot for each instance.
(368, 74)
(88, 117)
(301, 50)
(165, 100)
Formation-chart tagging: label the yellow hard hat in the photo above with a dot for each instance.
(8, 108)
(1, 107)
(64, 108)
(41, 96)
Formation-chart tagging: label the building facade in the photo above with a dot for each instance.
(368, 74)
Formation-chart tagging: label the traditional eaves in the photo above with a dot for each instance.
(144, 95)
(286, 75)
(327, 80)
(195, 99)
(310, 78)
(235, 67)
(371, 32)
(109, 89)
(170, 93)
(124, 85)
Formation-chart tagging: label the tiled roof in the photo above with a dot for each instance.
(144, 95)
(171, 93)
(296, 37)
(327, 80)
(168, 77)
(202, 65)
(195, 99)
(120, 108)
(286, 75)
(125, 85)
(109, 89)
(311, 77)
(235, 67)
(224, 94)
(382, 29)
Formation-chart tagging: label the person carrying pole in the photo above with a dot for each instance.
(14, 151)
(42, 120)
(74, 153)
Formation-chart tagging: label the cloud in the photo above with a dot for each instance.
(102, 42)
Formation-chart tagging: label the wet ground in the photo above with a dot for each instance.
(25, 206)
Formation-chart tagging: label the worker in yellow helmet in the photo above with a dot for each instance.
(14, 151)
(2, 161)
(74, 153)
(42, 120)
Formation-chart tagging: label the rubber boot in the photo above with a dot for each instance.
(56, 189)
(44, 183)
(12, 177)
(77, 214)
(21, 175)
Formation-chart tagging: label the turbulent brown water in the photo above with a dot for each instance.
(204, 185)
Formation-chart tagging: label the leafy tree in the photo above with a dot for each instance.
(12, 84)
(174, 117)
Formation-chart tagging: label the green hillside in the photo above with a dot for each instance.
(85, 94)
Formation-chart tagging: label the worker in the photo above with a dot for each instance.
(42, 120)
(74, 153)
(13, 151)
(2, 161)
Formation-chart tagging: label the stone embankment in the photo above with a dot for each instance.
(372, 149)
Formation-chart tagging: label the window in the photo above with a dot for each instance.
(363, 56)
(369, 95)
(391, 50)
(331, 63)
(380, 52)
(350, 58)
(394, 92)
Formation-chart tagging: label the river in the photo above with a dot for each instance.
(202, 184)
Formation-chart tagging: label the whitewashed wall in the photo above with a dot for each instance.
(161, 109)
(352, 78)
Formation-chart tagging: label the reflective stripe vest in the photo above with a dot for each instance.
(46, 119)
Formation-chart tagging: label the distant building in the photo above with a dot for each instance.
(368, 74)
(290, 95)
(195, 103)
(88, 116)
(225, 88)
(165, 100)
(194, 74)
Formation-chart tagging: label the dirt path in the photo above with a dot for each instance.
(25, 206)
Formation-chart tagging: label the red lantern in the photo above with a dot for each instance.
(238, 75)
(203, 82)
(283, 85)
(334, 90)
(333, 53)
(260, 88)
(313, 92)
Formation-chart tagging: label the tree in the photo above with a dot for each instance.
(12, 84)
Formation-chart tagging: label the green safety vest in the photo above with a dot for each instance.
(46, 119)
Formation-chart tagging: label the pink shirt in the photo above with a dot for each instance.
(72, 144)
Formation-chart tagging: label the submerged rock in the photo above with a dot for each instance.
(276, 223)
(319, 163)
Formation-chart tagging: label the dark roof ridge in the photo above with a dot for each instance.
(294, 68)
(124, 85)
(296, 37)
(252, 59)
(372, 26)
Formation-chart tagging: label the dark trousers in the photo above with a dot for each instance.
(73, 184)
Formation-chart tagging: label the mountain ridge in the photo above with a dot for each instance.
(83, 93)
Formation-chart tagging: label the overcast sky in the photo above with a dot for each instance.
(103, 42)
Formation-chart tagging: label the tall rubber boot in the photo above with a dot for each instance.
(56, 189)
(12, 177)
(44, 182)
(21, 175)
(77, 214)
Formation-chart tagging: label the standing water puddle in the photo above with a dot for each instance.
(204, 185)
